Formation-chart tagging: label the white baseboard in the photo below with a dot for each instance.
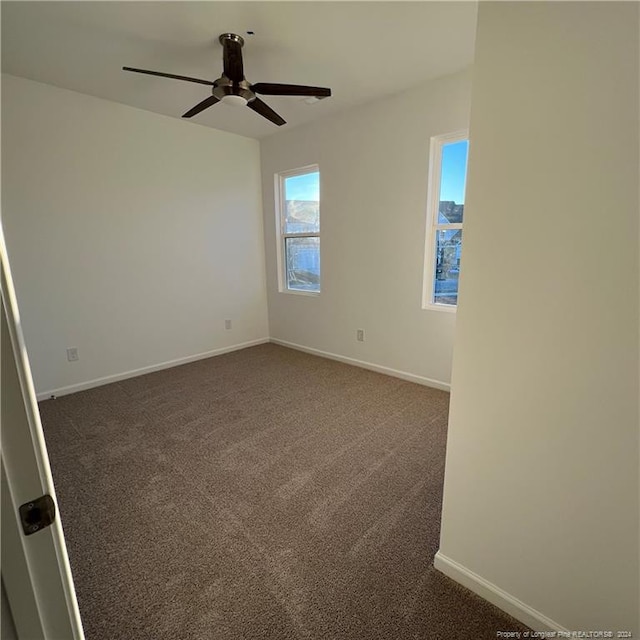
(90, 384)
(493, 594)
(98, 382)
(411, 377)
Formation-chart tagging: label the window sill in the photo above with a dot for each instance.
(311, 294)
(447, 308)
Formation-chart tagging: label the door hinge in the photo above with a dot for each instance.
(37, 514)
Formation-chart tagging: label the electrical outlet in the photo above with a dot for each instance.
(360, 335)
(227, 324)
(72, 354)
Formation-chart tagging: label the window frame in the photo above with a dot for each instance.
(281, 239)
(433, 224)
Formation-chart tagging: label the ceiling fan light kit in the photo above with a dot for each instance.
(234, 101)
(233, 88)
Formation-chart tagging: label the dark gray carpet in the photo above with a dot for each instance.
(264, 493)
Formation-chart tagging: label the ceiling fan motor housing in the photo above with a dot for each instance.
(224, 87)
(232, 82)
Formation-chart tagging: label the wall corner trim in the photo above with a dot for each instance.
(404, 375)
(98, 382)
(496, 596)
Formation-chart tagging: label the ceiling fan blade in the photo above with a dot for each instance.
(270, 89)
(168, 75)
(265, 110)
(201, 106)
(232, 59)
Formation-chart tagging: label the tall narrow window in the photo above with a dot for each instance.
(447, 180)
(299, 230)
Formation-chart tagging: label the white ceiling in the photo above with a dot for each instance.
(361, 50)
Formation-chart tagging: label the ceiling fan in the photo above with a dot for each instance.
(233, 87)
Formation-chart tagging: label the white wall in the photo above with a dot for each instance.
(541, 486)
(131, 235)
(374, 167)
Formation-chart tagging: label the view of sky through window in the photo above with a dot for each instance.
(304, 187)
(454, 171)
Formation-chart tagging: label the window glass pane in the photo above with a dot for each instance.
(303, 263)
(453, 176)
(448, 248)
(302, 203)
